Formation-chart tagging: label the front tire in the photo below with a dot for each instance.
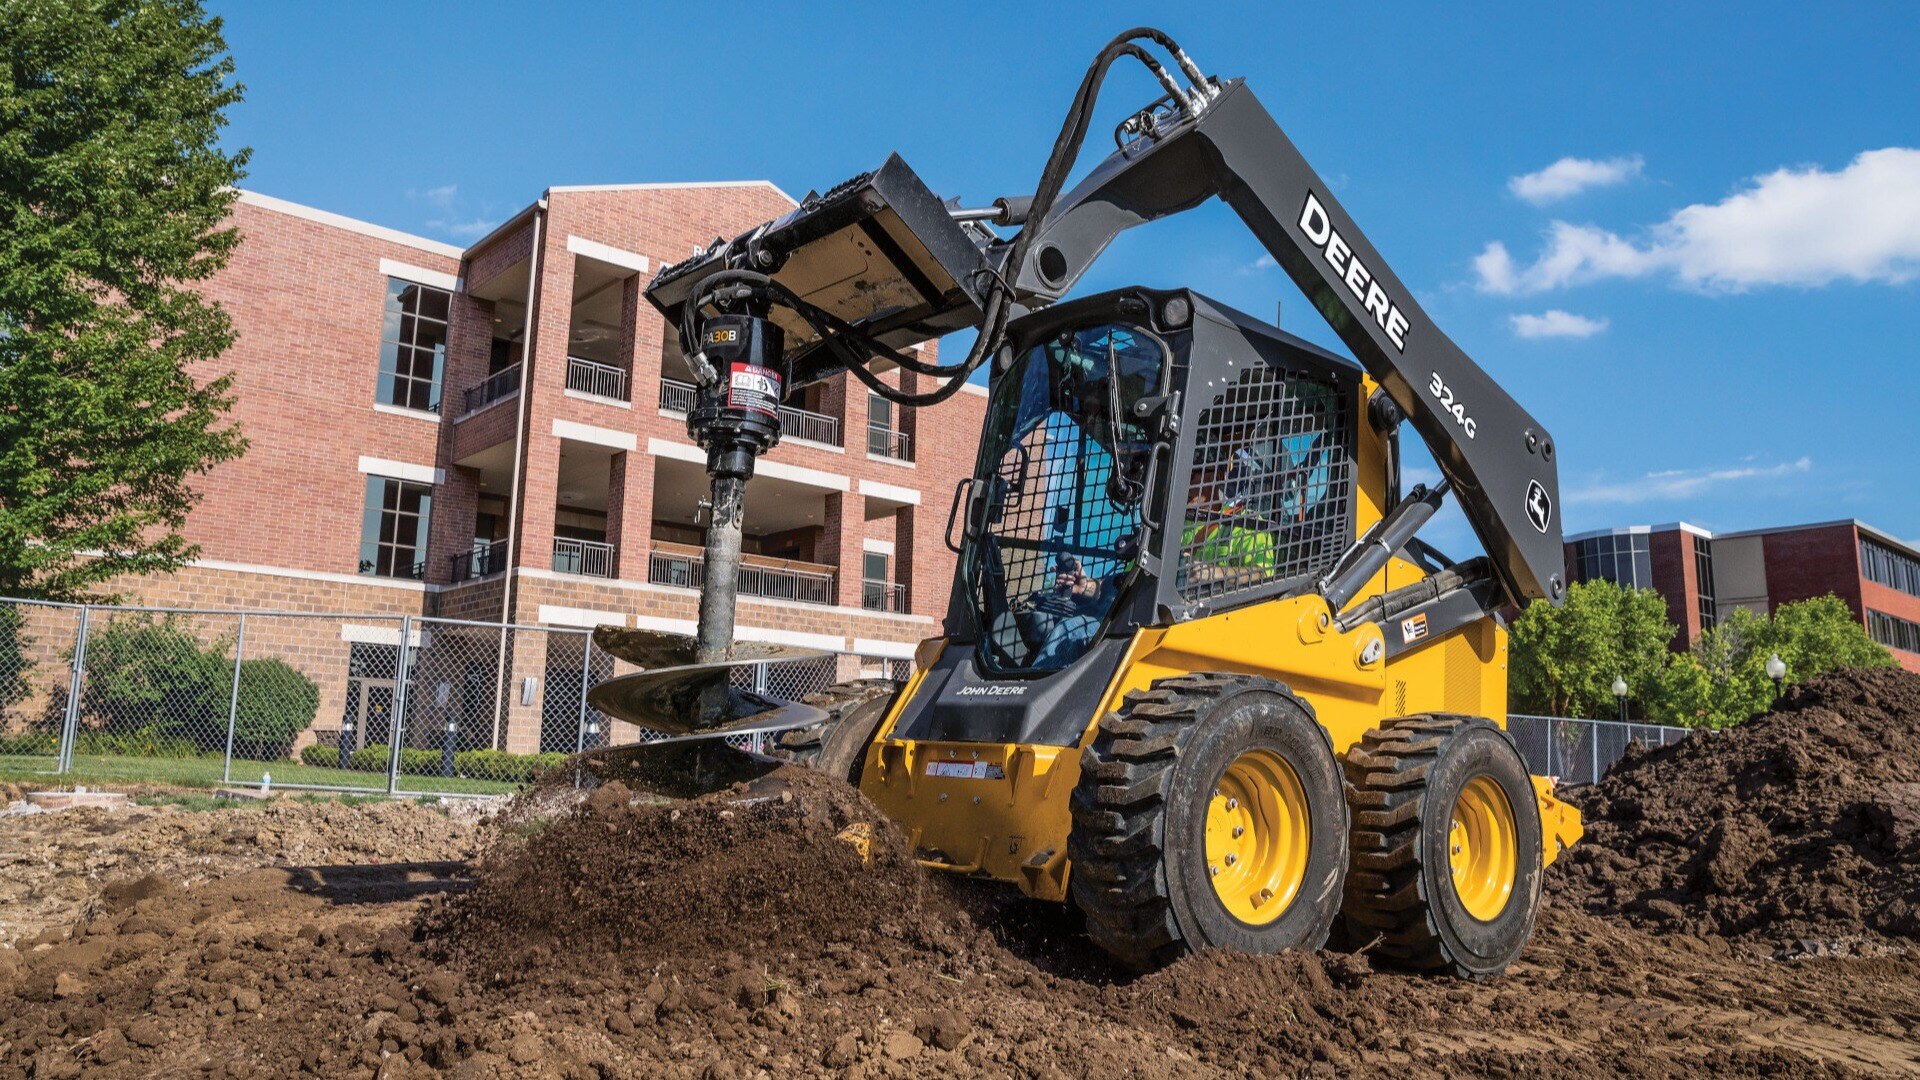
(1446, 845)
(1209, 813)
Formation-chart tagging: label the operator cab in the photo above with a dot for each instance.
(1148, 456)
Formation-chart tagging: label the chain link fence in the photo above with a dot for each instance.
(1581, 751)
(398, 704)
(392, 704)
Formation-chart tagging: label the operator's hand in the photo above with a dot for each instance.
(1072, 581)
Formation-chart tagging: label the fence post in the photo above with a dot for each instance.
(1594, 738)
(70, 722)
(233, 697)
(396, 731)
(586, 674)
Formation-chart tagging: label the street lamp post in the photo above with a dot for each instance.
(346, 743)
(1620, 694)
(1776, 670)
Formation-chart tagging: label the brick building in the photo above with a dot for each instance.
(397, 392)
(1703, 575)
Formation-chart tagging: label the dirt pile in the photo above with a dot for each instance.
(732, 875)
(1801, 827)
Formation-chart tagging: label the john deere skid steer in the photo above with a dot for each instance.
(1198, 675)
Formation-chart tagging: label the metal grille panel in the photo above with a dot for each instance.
(1270, 496)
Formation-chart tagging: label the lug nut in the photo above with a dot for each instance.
(1213, 871)
(1233, 804)
(1231, 859)
(1237, 830)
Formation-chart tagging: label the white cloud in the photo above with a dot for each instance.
(1571, 175)
(1679, 483)
(1557, 323)
(463, 230)
(1804, 227)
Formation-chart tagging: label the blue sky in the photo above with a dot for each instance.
(1654, 226)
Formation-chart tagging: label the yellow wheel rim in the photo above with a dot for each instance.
(1484, 849)
(1258, 828)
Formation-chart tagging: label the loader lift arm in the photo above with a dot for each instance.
(1497, 458)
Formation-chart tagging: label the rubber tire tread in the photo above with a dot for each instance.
(810, 745)
(1118, 838)
(1386, 892)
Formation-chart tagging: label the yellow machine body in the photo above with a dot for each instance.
(1007, 818)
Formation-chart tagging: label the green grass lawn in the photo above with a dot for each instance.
(209, 772)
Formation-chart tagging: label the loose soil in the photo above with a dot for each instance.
(736, 936)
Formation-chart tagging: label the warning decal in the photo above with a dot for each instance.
(754, 388)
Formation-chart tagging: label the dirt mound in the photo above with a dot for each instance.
(759, 944)
(1802, 826)
(733, 874)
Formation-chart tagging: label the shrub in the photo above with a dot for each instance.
(148, 675)
(146, 742)
(276, 704)
(154, 678)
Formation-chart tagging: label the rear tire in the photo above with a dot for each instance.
(838, 746)
(1209, 813)
(1446, 845)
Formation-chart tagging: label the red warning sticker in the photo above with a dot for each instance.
(754, 388)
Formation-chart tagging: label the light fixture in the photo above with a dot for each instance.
(1620, 692)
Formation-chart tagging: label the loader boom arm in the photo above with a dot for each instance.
(1498, 457)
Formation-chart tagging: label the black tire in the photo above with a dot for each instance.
(1138, 848)
(1404, 779)
(839, 745)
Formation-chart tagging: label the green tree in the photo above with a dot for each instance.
(113, 194)
(1723, 679)
(1564, 659)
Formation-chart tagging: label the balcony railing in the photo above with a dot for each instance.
(498, 385)
(794, 423)
(883, 596)
(600, 380)
(676, 396)
(588, 557)
(487, 557)
(670, 564)
(886, 442)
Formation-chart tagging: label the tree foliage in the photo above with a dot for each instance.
(113, 194)
(1723, 680)
(1563, 660)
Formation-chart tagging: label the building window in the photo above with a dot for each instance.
(413, 345)
(1893, 631)
(393, 531)
(1622, 558)
(1703, 581)
(1883, 565)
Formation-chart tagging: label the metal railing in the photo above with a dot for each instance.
(588, 557)
(597, 379)
(883, 596)
(487, 557)
(884, 441)
(676, 396)
(687, 570)
(794, 423)
(500, 384)
(1581, 751)
(349, 701)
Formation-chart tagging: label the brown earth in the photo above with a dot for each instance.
(726, 937)
(1799, 830)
